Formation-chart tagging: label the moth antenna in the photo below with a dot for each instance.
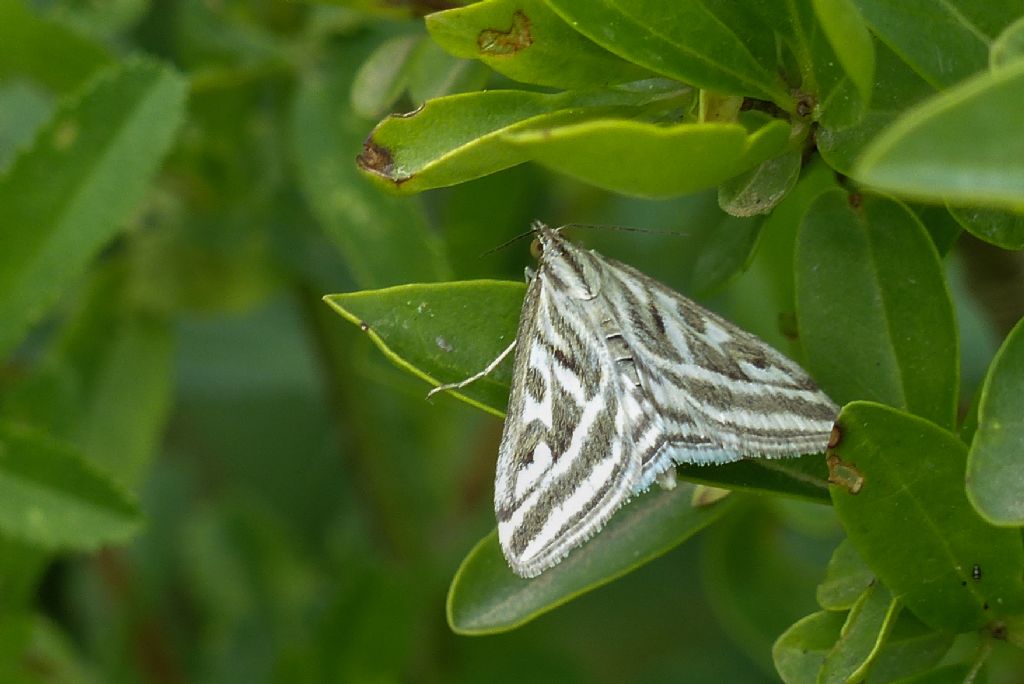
(624, 229)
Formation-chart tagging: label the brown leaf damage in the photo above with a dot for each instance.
(844, 474)
(377, 159)
(516, 38)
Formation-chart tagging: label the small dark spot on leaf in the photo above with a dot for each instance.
(375, 158)
(984, 606)
(364, 326)
(844, 474)
(835, 437)
(516, 38)
(998, 631)
(855, 199)
(963, 583)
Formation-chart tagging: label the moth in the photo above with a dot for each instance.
(617, 378)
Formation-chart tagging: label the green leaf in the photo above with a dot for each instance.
(382, 77)
(444, 332)
(1008, 47)
(754, 608)
(51, 497)
(958, 673)
(486, 597)
(963, 146)
(64, 199)
(1001, 228)
(760, 189)
(995, 470)
(910, 647)
(850, 39)
(846, 578)
(874, 310)
(940, 224)
(800, 651)
(896, 88)
(906, 512)
(24, 109)
(458, 138)
(728, 250)
(709, 45)
(805, 477)
(807, 61)
(864, 633)
(435, 73)
(112, 350)
(650, 160)
(22, 566)
(765, 294)
(45, 51)
(526, 41)
(37, 646)
(944, 42)
(364, 224)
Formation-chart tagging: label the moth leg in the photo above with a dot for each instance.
(473, 378)
(667, 480)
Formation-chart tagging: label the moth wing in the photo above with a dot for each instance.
(565, 464)
(722, 393)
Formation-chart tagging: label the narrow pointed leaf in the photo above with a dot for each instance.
(68, 196)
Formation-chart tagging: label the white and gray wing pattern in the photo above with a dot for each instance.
(616, 379)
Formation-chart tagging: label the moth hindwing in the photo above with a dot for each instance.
(616, 379)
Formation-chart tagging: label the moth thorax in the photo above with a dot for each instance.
(573, 270)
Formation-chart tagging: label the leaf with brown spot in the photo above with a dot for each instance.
(516, 38)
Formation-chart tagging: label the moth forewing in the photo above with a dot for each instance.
(563, 465)
(617, 378)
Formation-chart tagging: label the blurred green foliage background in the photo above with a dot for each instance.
(301, 507)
